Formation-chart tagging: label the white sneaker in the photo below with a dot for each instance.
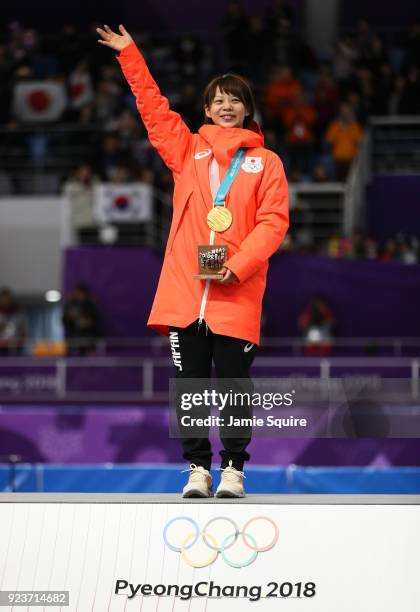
(232, 483)
(199, 484)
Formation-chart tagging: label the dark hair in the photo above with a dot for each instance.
(234, 85)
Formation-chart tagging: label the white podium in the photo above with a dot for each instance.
(113, 552)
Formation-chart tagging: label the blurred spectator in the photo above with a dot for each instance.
(12, 324)
(362, 247)
(279, 11)
(299, 120)
(236, 27)
(400, 249)
(408, 253)
(189, 106)
(106, 101)
(362, 85)
(147, 176)
(358, 106)
(143, 154)
(121, 174)
(86, 115)
(113, 155)
(390, 252)
(79, 190)
(375, 55)
(345, 55)
(384, 79)
(280, 93)
(282, 43)
(23, 72)
(338, 246)
(412, 46)
(271, 141)
(81, 320)
(357, 246)
(258, 50)
(320, 174)
(407, 93)
(344, 135)
(69, 50)
(6, 80)
(316, 323)
(165, 181)
(189, 55)
(326, 98)
(126, 125)
(364, 37)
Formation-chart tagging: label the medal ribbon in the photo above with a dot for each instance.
(229, 177)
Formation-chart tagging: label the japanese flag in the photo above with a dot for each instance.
(80, 89)
(39, 101)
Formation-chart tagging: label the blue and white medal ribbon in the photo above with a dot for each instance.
(220, 218)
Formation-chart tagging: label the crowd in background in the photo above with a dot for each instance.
(402, 249)
(83, 326)
(81, 320)
(312, 109)
(12, 324)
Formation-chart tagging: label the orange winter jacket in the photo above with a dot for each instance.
(258, 202)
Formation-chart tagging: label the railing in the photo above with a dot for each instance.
(395, 144)
(116, 380)
(159, 345)
(316, 211)
(359, 175)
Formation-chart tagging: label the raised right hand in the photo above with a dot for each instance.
(113, 40)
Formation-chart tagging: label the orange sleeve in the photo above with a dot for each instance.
(167, 131)
(272, 221)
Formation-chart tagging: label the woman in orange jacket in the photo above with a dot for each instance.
(211, 320)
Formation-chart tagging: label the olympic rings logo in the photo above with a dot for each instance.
(221, 545)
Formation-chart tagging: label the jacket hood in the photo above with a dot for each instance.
(226, 141)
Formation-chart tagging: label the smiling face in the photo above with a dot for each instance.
(226, 110)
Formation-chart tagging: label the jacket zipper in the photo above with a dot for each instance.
(206, 291)
(214, 180)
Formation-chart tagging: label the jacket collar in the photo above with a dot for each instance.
(226, 141)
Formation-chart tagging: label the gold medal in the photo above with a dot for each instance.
(219, 219)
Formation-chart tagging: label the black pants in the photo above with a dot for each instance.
(193, 350)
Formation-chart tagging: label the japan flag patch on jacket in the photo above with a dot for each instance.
(252, 164)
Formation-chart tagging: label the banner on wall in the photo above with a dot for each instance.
(110, 555)
(123, 203)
